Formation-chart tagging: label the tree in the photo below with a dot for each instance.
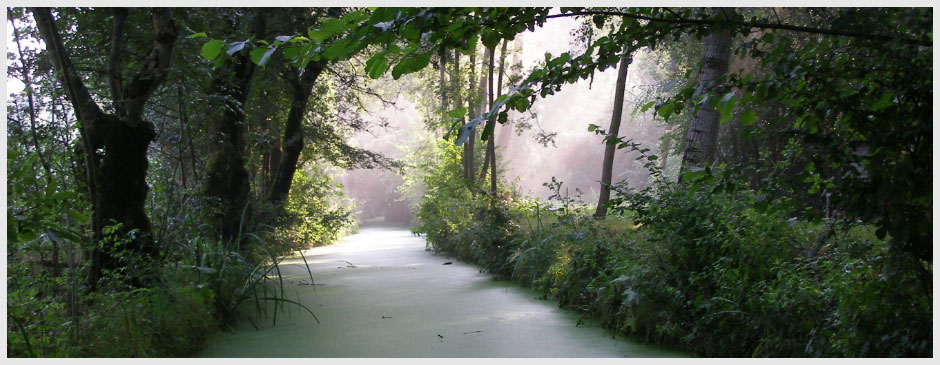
(610, 145)
(489, 159)
(293, 141)
(227, 182)
(115, 145)
(703, 127)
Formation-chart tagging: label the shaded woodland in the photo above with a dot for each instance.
(777, 200)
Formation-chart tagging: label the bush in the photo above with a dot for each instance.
(713, 270)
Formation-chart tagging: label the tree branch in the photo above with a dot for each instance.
(114, 60)
(154, 68)
(777, 26)
(85, 107)
(29, 94)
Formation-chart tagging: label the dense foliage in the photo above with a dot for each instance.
(709, 273)
(161, 163)
(195, 280)
(798, 238)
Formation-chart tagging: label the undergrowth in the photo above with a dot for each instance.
(712, 272)
(198, 285)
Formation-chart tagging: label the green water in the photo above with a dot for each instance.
(401, 301)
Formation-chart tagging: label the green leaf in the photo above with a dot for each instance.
(748, 117)
(727, 107)
(317, 35)
(77, 216)
(355, 17)
(647, 106)
(333, 26)
(292, 53)
(377, 65)
(336, 50)
(522, 105)
(198, 35)
(487, 130)
(884, 102)
(694, 174)
(810, 167)
(490, 38)
(65, 195)
(410, 64)
(767, 37)
(592, 127)
(457, 113)
(665, 110)
(410, 32)
(211, 49)
(260, 55)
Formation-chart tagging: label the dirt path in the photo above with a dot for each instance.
(380, 294)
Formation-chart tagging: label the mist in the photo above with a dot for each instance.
(573, 155)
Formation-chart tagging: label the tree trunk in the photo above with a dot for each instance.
(443, 89)
(293, 140)
(703, 128)
(293, 132)
(489, 105)
(610, 149)
(479, 103)
(468, 167)
(227, 182)
(115, 146)
(490, 157)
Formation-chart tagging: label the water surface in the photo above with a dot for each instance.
(380, 294)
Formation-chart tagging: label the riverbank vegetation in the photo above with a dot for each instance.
(777, 201)
(781, 231)
(111, 253)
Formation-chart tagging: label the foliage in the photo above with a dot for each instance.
(194, 284)
(707, 271)
(313, 216)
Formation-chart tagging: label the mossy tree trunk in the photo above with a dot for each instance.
(227, 183)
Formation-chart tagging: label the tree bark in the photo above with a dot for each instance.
(227, 182)
(703, 128)
(293, 141)
(503, 141)
(489, 104)
(610, 149)
(490, 157)
(115, 145)
(443, 82)
(472, 106)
